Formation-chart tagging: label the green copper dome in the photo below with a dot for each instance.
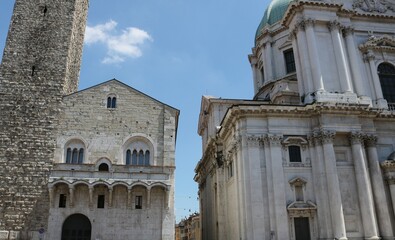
(274, 13)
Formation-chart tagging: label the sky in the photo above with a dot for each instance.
(176, 51)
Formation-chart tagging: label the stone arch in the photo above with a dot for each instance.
(102, 161)
(74, 145)
(76, 226)
(138, 143)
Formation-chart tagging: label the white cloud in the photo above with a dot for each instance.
(119, 46)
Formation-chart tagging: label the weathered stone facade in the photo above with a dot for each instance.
(40, 64)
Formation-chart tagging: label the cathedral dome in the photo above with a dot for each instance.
(274, 13)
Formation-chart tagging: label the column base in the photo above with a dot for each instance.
(381, 104)
(334, 97)
(373, 238)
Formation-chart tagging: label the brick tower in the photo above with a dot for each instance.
(41, 64)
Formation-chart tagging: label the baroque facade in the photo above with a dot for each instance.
(311, 156)
(92, 164)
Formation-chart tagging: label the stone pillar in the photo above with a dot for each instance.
(256, 218)
(268, 62)
(389, 170)
(90, 196)
(110, 196)
(281, 215)
(71, 192)
(304, 57)
(255, 72)
(380, 199)
(363, 186)
(148, 197)
(129, 203)
(51, 196)
(353, 56)
(320, 189)
(335, 201)
(340, 56)
(313, 55)
(269, 180)
(299, 76)
(375, 77)
(167, 200)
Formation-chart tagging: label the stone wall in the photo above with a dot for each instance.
(40, 64)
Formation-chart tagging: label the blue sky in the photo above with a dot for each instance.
(175, 51)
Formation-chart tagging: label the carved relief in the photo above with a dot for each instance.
(356, 138)
(327, 136)
(384, 43)
(333, 25)
(380, 6)
(371, 140)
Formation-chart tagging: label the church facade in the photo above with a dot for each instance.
(311, 156)
(92, 164)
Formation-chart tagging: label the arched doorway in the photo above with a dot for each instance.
(386, 72)
(76, 227)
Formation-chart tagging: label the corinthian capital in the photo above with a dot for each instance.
(327, 136)
(275, 140)
(309, 22)
(333, 25)
(356, 138)
(348, 31)
(371, 140)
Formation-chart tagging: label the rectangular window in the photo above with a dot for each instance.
(139, 202)
(289, 61)
(100, 201)
(62, 200)
(294, 154)
(230, 170)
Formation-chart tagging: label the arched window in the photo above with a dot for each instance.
(294, 154)
(81, 156)
(134, 158)
(147, 156)
(103, 167)
(386, 74)
(141, 157)
(68, 155)
(128, 157)
(75, 156)
(111, 102)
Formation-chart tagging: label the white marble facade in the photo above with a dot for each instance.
(310, 157)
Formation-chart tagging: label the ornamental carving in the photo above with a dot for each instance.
(356, 138)
(333, 25)
(384, 43)
(254, 140)
(348, 31)
(371, 140)
(274, 140)
(327, 136)
(309, 22)
(380, 6)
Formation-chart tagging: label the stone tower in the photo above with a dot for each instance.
(41, 64)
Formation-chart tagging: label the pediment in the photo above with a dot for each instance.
(385, 43)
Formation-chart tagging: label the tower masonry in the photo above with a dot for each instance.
(41, 63)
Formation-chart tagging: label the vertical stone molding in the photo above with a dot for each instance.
(281, 214)
(268, 61)
(313, 55)
(353, 57)
(363, 186)
(340, 56)
(129, 201)
(149, 197)
(299, 75)
(255, 72)
(304, 57)
(370, 57)
(71, 193)
(380, 199)
(335, 201)
(91, 188)
(389, 170)
(110, 196)
(51, 196)
(270, 187)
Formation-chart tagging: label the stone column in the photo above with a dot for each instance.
(313, 55)
(110, 196)
(389, 170)
(269, 180)
(320, 190)
(129, 203)
(148, 197)
(353, 56)
(51, 196)
(344, 75)
(268, 62)
(71, 192)
(363, 186)
(335, 201)
(301, 88)
(90, 196)
(281, 215)
(380, 199)
(255, 70)
(373, 70)
(253, 173)
(304, 57)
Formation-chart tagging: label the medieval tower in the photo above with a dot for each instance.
(41, 63)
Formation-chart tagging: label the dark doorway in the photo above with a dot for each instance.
(76, 227)
(302, 228)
